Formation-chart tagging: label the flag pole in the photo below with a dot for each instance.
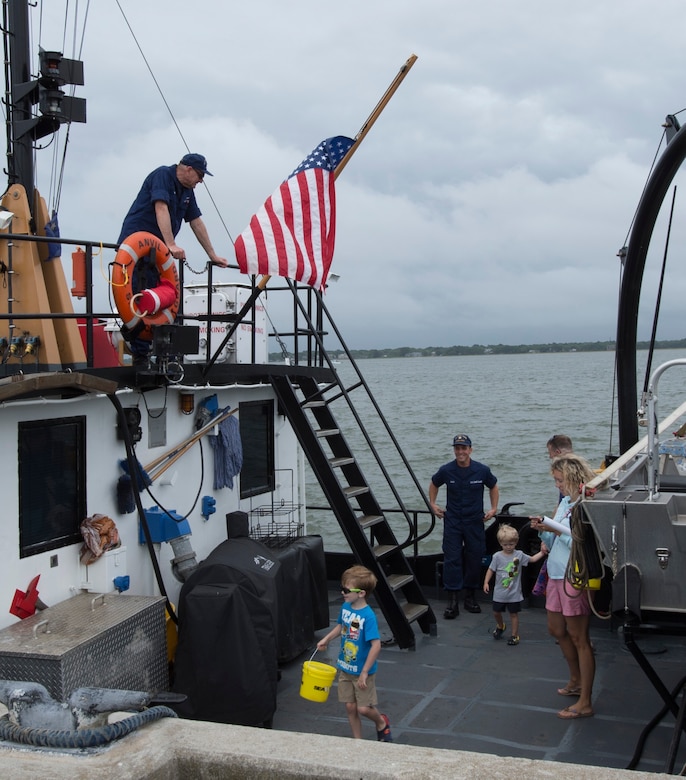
(366, 127)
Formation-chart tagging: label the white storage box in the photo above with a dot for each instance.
(226, 299)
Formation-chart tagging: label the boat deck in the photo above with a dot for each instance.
(462, 690)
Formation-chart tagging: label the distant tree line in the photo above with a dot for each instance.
(488, 349)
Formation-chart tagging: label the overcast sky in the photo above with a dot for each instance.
(486, 205)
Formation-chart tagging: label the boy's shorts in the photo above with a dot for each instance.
(507, 606)
(349, 692)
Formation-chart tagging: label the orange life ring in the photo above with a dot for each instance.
(131, 250)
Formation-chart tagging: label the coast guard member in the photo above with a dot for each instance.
(464, 535)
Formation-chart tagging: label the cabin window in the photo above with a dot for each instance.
(52, 483)
(256, 420)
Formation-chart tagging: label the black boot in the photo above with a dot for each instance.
(452, 610)
(470, 602)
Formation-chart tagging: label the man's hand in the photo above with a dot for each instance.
(176, 252)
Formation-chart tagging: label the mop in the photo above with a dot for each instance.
(228, 453)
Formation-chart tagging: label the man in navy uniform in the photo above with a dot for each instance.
(166, 200)
(464, 535)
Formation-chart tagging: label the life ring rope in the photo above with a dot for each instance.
(134, 310)
(126, 276)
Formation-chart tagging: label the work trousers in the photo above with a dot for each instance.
(464, 546)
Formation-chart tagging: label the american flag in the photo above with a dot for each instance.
(293, 234)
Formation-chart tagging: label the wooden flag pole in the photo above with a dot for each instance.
(366, 127)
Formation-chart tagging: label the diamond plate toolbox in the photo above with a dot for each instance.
(104, 641)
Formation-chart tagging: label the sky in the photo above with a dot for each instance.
(486, 205)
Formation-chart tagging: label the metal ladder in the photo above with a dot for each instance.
(368, 532)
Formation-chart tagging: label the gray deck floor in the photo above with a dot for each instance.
(463, 690)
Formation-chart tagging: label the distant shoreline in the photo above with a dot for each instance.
(487, 349)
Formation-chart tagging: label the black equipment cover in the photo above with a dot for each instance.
(246, 608)
(226, 659)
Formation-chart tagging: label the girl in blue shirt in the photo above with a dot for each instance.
(569, 610)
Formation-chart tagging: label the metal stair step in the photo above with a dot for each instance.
(313, 425)
(414, 611)
(366, 521)
(341, 461)
(383, 549)
(397, 581)
(355, 490)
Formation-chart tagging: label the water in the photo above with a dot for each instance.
(510, 405)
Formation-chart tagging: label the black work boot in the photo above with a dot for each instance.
(470, 602)
(452, 610)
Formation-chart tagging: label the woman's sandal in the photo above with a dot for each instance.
(567, 691)
(569, 713)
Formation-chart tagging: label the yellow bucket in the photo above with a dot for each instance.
(316, 680)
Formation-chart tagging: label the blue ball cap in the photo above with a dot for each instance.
(462, 440)
(196, 161)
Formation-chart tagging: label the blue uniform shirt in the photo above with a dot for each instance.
(465, 489)
(161, 184)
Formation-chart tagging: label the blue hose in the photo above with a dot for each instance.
(85, 738)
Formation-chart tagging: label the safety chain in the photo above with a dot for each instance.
(193, 271)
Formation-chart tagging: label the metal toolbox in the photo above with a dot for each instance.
(104, 641)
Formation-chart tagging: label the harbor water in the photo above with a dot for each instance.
(510, 405)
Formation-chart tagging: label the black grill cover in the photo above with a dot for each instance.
(303, 606)
(246, 608)
(226, 659)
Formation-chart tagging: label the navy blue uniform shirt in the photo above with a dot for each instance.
(465, 489)
(161, 184)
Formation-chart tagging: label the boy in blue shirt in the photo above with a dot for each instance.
(360, 647)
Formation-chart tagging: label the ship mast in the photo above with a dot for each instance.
(19, 149)
(24, 125)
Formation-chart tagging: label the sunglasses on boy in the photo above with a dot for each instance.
(351, 590)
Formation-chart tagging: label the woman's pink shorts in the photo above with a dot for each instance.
(561, 596)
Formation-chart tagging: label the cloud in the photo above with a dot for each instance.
(486, 205)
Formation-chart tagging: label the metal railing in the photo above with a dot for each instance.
(301, 335)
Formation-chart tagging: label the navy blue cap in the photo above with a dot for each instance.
(196, 161)
(462, 440)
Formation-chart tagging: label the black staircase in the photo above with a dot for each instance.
(370, 536)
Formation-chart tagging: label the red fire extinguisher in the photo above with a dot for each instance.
(78, 271)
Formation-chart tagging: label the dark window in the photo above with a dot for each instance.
(52, 483)
(256, 420)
